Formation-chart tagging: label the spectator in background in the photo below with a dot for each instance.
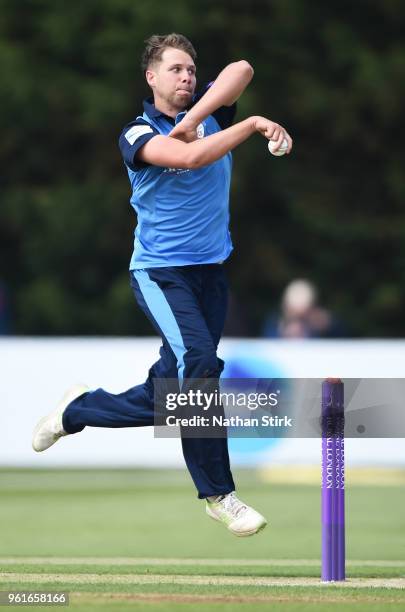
(301, 316)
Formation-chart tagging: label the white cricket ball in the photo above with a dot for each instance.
(281, 151)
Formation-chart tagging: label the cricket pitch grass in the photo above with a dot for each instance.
(140, 540)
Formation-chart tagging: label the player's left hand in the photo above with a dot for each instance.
(184, 131)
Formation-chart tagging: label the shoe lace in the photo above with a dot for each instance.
(233, 505)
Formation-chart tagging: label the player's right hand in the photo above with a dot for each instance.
(272, 131)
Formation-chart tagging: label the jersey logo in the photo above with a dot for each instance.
(176, 170)
(200, 130)
(136, 132)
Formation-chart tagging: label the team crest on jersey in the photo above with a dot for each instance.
(200, 130)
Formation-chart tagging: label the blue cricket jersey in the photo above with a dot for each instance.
(183, 215)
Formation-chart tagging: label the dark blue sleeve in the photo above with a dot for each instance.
(224, 115)
(132, 138)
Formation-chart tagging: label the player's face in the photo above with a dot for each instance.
(173, 79)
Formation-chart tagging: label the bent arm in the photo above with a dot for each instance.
(224, 91)
(169, 152)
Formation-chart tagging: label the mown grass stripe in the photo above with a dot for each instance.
(116, 561)
(90, 597)
(389, 583)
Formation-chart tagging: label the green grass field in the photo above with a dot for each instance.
(139, 539)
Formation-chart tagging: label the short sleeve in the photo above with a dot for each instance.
(132, 138)
(224, 115)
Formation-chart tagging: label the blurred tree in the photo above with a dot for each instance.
(332, 211)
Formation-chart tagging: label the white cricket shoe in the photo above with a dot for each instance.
(240, 519)
(49, 429)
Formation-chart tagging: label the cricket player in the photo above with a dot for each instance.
(177, 154)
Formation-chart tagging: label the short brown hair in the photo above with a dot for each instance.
(156, 44)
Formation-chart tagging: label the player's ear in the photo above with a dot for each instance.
(150, 76)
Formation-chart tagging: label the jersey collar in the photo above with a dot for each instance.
(151, 110)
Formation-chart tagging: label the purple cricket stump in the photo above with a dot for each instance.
(341, 553)
(327, 502)
(333, 510)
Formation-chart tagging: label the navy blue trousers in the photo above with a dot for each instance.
(187, 307)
